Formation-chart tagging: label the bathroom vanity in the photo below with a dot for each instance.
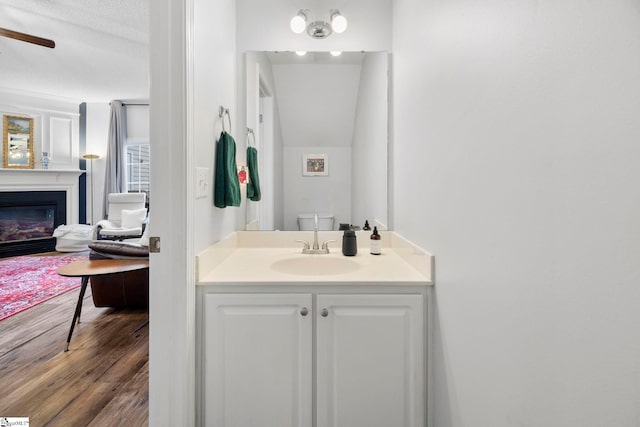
(292, 339)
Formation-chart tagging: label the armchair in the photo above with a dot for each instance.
(125, 218)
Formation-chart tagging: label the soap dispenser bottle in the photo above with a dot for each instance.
(366, 225)
(349, 243)
(375, 242)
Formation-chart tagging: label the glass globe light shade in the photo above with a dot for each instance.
(298, 23)
(339, 23)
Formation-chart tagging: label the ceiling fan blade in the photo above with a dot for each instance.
(27, 38)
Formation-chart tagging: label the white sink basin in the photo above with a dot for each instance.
(315, 265)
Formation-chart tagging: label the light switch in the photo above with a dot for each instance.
(202, 182)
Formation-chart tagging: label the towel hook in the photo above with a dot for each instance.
(253, 136)
(221, 113)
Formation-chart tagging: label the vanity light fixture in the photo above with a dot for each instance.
(301, 52)
(318, 29)
(336, 52)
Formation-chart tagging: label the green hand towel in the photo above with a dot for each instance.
(253, 187)
(226, 191)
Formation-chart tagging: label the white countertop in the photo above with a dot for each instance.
(243, 258)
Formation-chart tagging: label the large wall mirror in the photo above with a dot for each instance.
(321, 127)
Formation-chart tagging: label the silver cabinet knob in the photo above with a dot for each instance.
(324, 312)
(304, 311)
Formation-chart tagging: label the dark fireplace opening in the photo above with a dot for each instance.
(26, 222)
(28, 219)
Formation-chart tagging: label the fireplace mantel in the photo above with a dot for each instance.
(45, 180)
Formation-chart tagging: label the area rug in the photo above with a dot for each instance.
(26, 281)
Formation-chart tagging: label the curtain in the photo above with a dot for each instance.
(114, 174)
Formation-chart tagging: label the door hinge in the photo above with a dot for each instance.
(260, 118)
(154, 244)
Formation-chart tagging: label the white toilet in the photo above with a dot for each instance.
(306, 222)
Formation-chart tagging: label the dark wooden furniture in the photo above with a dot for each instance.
(95, 268)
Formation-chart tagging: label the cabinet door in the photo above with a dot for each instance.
(370, 367)
(258, 360)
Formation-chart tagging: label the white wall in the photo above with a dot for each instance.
(369, 146)
(137, 122)
(214, 84)
(55, 122)
(516, 163)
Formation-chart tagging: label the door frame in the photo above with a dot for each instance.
(172, 270)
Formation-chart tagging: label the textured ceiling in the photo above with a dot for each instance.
(101, 53)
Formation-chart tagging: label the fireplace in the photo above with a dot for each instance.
(27, 221)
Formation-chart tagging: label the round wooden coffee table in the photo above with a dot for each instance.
(96, 267)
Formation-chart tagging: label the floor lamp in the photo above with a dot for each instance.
(91, 157)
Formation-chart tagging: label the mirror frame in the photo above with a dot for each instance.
(14, 128)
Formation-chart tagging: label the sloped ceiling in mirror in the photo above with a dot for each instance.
(317, 98)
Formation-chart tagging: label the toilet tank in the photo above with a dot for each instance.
(306, 222)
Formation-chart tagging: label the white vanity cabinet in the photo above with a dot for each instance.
(370, 361)
(258, 360)
(313, 359)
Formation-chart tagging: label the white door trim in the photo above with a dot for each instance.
(171, 275)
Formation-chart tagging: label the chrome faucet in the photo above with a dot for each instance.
(315, 249)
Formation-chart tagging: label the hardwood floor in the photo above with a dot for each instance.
(101, 381)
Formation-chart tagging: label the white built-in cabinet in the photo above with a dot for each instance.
(258, 360)
(370, 362)
(313, 360)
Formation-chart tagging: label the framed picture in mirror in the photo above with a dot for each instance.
(18, 142)
(315, 165)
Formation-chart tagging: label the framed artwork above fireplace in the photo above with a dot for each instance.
(17, 148)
